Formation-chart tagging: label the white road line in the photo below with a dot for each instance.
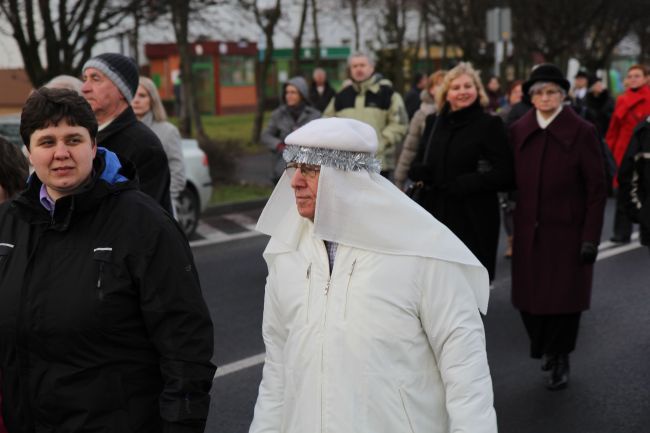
(242, 220)
(618, 250)
(242, 364)
(608, 244)
(220, 237)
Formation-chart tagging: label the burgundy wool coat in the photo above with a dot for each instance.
(560, 204)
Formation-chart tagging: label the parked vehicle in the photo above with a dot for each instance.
(198, 189)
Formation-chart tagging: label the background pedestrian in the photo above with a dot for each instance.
(294, 112)
(412, 100)
(372, 99)
(632, 107)
(557, 221)
(320, 92)
(110, 82)
(149, 110)
(469, 161)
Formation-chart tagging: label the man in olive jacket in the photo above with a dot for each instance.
(110, 82)
(372, 100)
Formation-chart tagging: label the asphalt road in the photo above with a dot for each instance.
(610, 378)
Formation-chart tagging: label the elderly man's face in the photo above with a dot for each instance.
(360, 69)
(103, 96)
(62, 156)
(304, 181)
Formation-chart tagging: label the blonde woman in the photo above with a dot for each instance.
(416, 127)
(150, 111)
(467, 161)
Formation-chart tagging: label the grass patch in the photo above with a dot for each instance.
(236, 193)
(234, 128)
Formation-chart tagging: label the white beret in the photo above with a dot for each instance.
(335, 133)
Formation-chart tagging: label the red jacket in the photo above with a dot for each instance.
(631, 108)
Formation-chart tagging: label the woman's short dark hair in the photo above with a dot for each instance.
(13, 168)
(47, 107)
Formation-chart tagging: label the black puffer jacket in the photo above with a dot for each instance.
(136, 142)
(103, 326)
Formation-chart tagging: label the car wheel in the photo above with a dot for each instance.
(188, 211)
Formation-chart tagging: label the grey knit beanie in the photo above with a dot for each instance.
(120, 69)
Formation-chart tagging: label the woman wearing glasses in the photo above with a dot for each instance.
(557, 221)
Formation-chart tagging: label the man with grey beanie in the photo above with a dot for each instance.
(110, 82)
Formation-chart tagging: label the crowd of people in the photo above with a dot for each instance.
(388, 207)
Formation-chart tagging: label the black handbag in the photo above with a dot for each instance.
(416, 190)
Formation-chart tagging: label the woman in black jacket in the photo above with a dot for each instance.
(464, 161)
(103, 326)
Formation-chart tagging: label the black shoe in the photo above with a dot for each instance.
(620, 239)
(559, 378)
(548, 361)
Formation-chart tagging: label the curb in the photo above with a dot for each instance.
(234, 207)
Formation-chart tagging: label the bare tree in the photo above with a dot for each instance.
(180, 15)
(354, 14)
(266, 19)
(314, 22)
(65, 31)
(297, 40)
(464, 26)
(395, 27)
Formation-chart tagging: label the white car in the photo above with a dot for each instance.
(198, 188)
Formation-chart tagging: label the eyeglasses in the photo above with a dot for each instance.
(549, 93)
(307, 170)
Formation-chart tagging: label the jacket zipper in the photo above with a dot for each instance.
(307, 307)
(347, 290)
(323, 346)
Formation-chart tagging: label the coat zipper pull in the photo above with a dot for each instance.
(308, 271)
(327, 287)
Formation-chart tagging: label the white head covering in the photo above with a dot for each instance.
(358, 207)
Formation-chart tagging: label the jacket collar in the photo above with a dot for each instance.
(562, 128)
(126, 118)
(110, 176)
(630, 99)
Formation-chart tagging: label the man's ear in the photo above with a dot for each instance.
(94, 141)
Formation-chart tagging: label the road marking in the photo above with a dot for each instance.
(242, 364)
(608, 244)
(220, 237)
(243, 220)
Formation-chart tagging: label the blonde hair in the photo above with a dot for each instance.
(463, 68)
(155, 104)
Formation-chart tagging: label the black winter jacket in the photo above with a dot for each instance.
(135, 141)
(634, 179)
(103, 326)
(469, 161)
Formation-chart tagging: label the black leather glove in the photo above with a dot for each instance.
(420, 172)
(588, 253)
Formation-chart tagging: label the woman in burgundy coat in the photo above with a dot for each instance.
(557, 222)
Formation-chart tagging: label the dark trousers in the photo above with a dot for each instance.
(622, 222)
(551, 334)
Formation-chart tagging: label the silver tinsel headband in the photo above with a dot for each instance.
(340, 159)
